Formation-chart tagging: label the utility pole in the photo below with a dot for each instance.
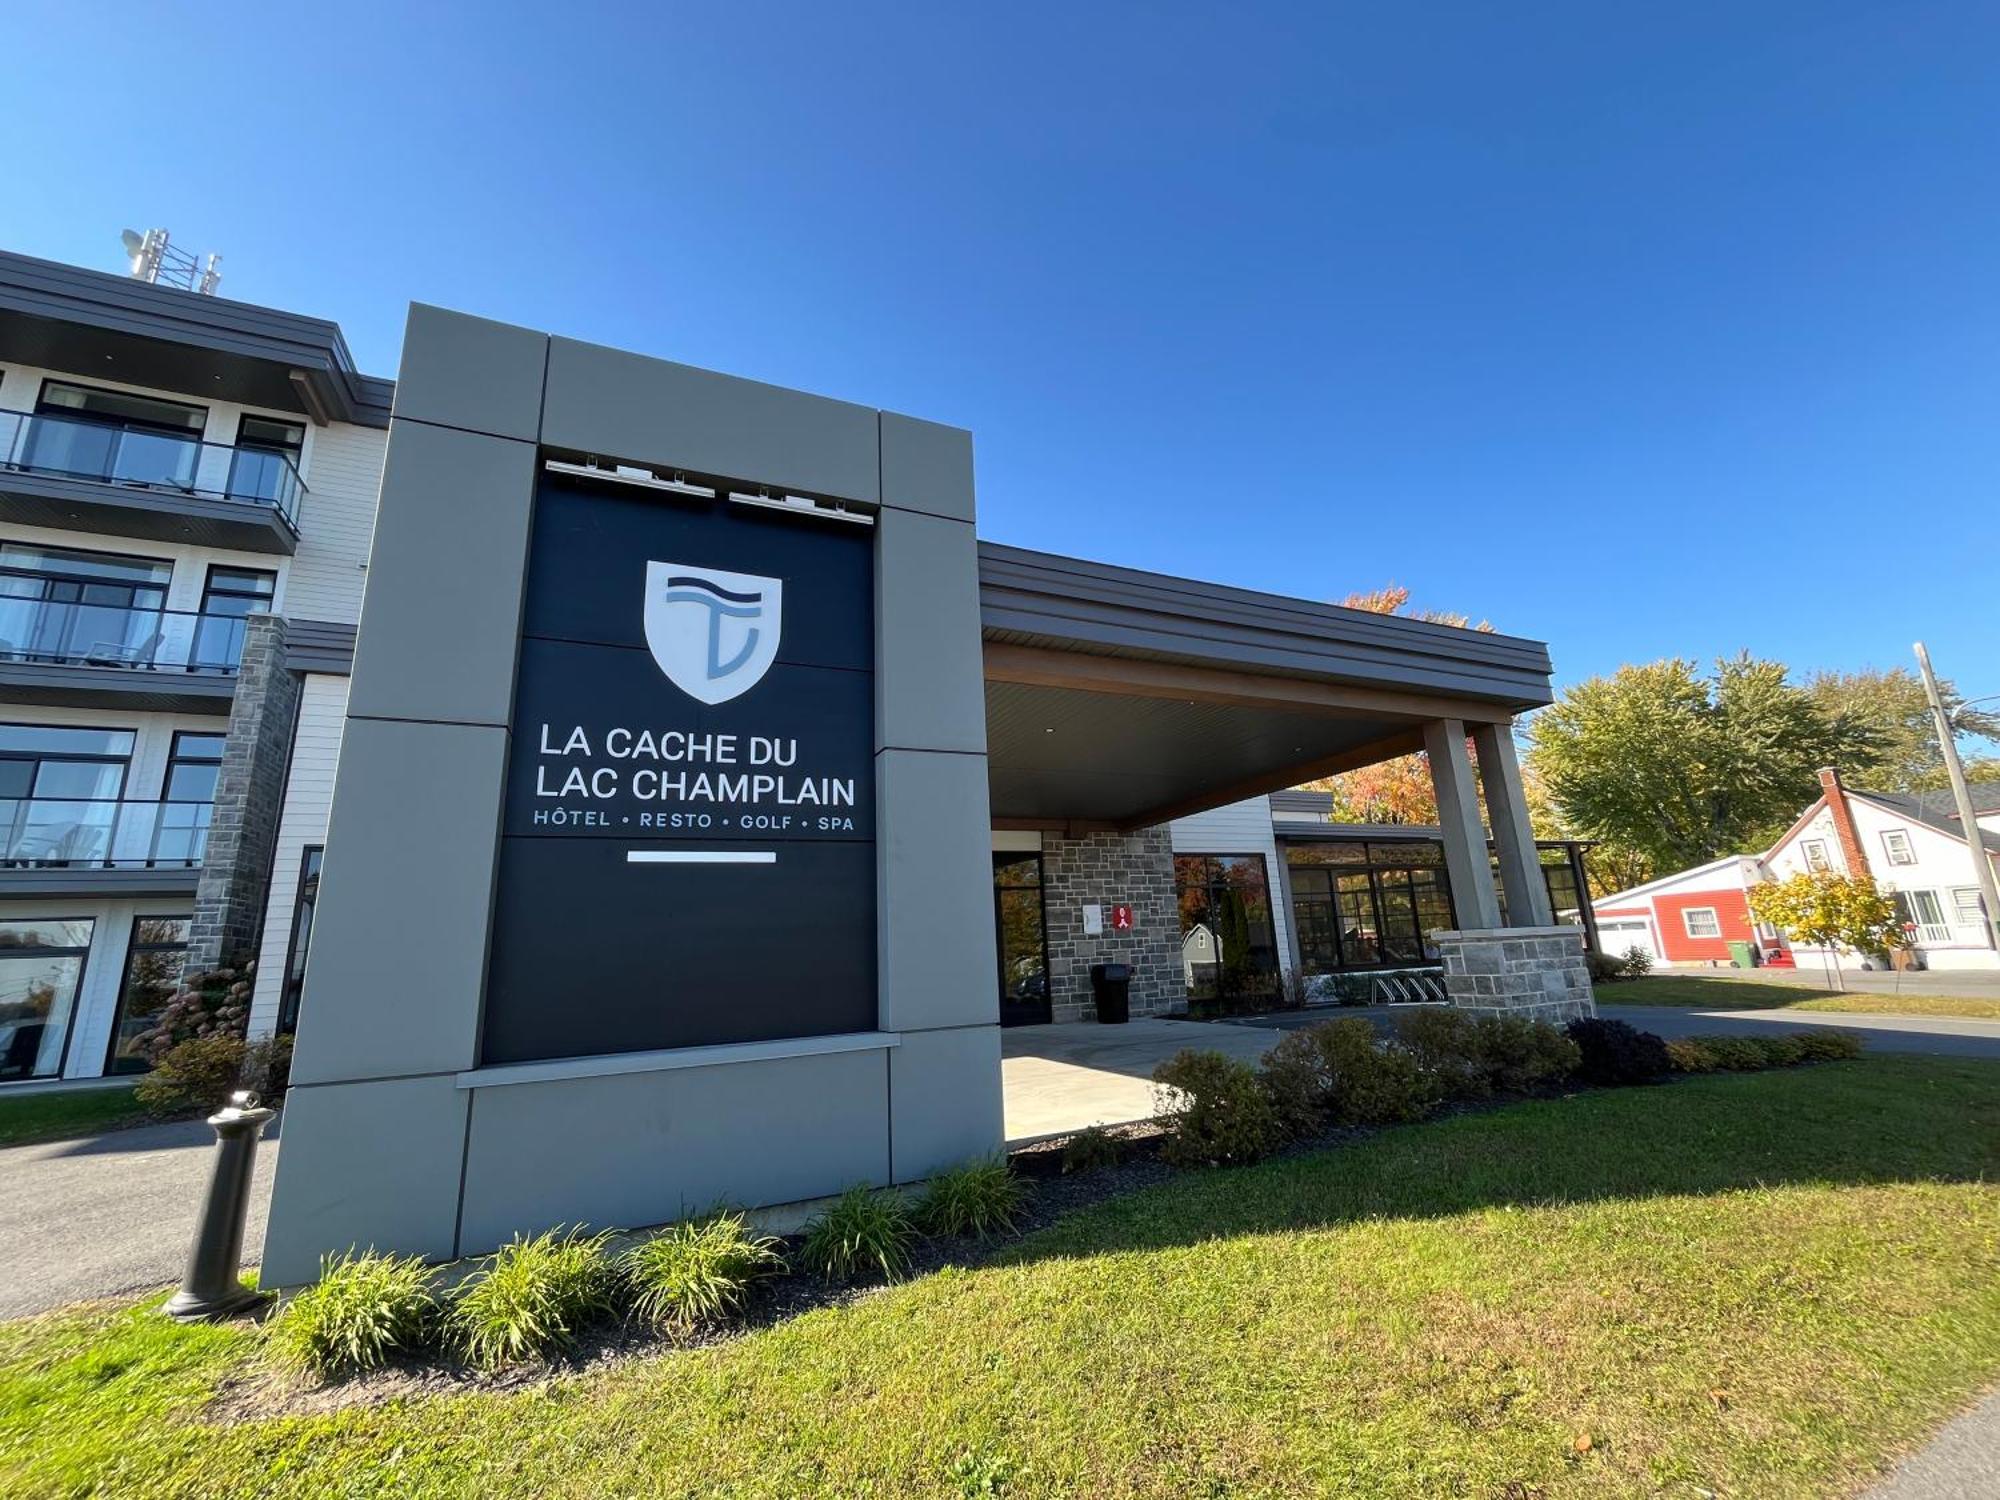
(1982, 863)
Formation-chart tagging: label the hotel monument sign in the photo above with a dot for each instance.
(687, 853)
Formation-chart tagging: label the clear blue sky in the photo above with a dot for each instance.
(1652, 333)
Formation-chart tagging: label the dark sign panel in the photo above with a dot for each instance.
(688, 840)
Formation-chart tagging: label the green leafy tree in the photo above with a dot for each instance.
(1823, 909)
(1680, 768)
(1894, 710)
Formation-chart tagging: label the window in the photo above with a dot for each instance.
(229, 595)
(41, 970)
(1928, 912)
(1967, 908)
(265, 466)
(59, 791)
(301, 944)
(1229, 948)
(187, 800)
(1896, 842)
(62, 605)
(1814, 851)
(1701, 922)
(1019, 921)
(115, 436)
(1357, 904)
(153, 966)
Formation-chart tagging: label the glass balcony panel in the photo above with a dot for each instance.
(104, 635)
(40, 833)
(92, 448)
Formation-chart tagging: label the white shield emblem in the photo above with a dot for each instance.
(713, 633)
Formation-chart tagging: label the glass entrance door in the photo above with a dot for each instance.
(1023, 938)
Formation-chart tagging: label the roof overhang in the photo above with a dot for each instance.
(1119, 699)
(133, 332)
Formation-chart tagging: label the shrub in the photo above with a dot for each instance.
(1368, 1083)
(267, 1068)
(198, 1074)
(1690, 1054)
(982, 1197)
(533, 1297)
(363, 1309)
(213, 1003)
(1821, 1045)
(861, 1232)
(1613, 1052)
(1638, 962)
(1295, 1082)
(1214, 1109)
(1780, 1051)
(1520, 1055)
(1739, 1054)
(700, 1271)
(1604, 969)
(1446, 1045)
(1090, 1148)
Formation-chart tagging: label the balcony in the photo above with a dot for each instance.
(113, 656)
(86, 474)
(65, 846)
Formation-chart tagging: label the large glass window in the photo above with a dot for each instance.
(153, 967)
(266, 458)
(227, 597)
(59, 790)
(1023, 938)
(188, 801)
(1360, 905)
(60, 604)
(41, 971)
(114, 435)
(303, 907)
(1229, 945)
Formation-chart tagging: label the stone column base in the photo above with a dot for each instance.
(1536, 972)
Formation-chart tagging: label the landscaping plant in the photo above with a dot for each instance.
(1090, 1148)
(1295, 1082)
(1214, 1110)
(1690, 1054)
(364, 1309)
(534, 1297)
(198, 1074)
(1446, 1045)
(861, 1233)
(1520, 1055)
(1616, 1053)
(980, 1198)
(700, 1271)
(1369, 1083)
(1638, 963)
(1823, 1045)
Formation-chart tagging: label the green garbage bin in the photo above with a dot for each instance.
(1743, 955)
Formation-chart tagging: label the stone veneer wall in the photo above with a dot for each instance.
(249, 796)
(1536, 972)
(1108, 869)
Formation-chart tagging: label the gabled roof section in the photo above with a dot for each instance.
(1938, 812)
(1618, 897)
(119, 328)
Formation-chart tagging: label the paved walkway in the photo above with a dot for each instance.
(1977, 984)
(1961, 1463)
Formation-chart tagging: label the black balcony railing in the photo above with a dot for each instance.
(70, 833)
(109, 635)
(147, 458)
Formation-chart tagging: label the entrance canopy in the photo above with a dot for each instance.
(1117, 699)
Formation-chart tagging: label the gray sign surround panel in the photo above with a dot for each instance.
(395, 1135)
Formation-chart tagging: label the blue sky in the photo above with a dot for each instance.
(1654, 332)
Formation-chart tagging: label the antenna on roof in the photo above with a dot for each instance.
(156, 260)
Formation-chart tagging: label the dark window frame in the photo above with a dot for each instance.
(37, 757)
(133, 948)
(292, 981)
(166, 429)
(82, 955)
(1401, 860)
(1214, 881)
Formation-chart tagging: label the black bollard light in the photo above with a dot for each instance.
(211, 1290)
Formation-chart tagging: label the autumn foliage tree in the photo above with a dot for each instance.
(1824, 909)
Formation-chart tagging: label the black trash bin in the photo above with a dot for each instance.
(1110, 986)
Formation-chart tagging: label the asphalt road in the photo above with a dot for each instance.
(1961, 1463)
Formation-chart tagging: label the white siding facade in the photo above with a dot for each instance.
(308, 798)
(1245, 828)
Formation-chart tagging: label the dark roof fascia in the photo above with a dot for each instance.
(1066, 603)
(123, 304)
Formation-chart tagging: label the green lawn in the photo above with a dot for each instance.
(1759, 1285)
(52, 1117)
(1754, 994)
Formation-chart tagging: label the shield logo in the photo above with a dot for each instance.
(713, 633)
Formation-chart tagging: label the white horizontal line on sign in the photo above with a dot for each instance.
(701, 857)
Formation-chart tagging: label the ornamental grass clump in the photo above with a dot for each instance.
(1214, 1110)
(533, 1298)
(980, 1198)
(364, 1310)
(698, 1272)
(861, 1233)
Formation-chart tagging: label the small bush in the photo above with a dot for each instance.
(1690, 1054)
(198, 1074)
(533, 1297)
(861, 1233)
(1214, 1109)
(1446, 1045)
(1638, 963)
(1089, 1149)
(213, 1003)
(364, 1309)
(698, 1272)
(1295, 1082)
(1604, 969)
(1613, 1052)
(1820, 1045)
(1781, 1051)
(980, 1198)
(1368, 1083)
(1520, 1055)
(1738, 1054)
(267, 1069)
